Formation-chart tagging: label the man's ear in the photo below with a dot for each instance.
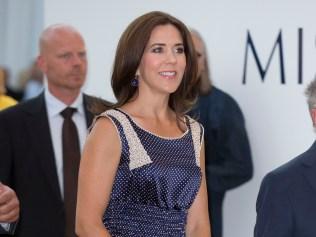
(313, 114)
(41, 63)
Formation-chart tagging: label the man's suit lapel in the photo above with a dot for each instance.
(310, 166)
(86, 104)
(38, 127)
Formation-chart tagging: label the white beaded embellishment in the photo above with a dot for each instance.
(138, 154)
(196, 136)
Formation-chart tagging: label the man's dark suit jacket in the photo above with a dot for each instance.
(227, 151)
(27, 165)
(286, 204)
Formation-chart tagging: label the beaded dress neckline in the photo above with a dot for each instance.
(154, 134)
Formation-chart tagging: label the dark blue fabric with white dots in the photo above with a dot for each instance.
(153, 200)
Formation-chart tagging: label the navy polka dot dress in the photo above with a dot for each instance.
(156, 182)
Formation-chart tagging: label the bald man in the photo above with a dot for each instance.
(31, 138)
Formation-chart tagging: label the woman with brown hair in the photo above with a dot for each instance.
(142, 170)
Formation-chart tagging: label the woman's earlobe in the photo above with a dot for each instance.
(135, 81)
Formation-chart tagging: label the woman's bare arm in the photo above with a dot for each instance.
(98, 167)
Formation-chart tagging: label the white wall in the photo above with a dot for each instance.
(277, 118)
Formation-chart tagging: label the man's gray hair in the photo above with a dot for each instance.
(310, 93)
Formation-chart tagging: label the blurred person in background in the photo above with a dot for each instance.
(33, 81)
(5, 100)
(228, 159)
(13, 92)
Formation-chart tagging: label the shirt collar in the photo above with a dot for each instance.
(55, 106)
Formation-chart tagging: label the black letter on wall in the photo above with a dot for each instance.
(262, 71)
(300, 55)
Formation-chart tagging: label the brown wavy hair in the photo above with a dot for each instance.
(129, 53)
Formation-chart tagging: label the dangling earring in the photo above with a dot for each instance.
(134, 81)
